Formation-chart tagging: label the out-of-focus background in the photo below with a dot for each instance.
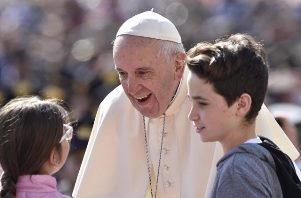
(63, 49)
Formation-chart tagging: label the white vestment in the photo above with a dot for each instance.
(115, 162)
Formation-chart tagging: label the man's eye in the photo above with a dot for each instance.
(122, 74)
(144, 74)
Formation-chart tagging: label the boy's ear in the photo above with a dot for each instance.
(179, 65)
(244, 104)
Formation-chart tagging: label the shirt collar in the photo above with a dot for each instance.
(180, 95)
(254, 140)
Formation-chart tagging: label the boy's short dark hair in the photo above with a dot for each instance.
(233, 65)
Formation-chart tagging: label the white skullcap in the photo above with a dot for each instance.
(288, 110)
(151, 25)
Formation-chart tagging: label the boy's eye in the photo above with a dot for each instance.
(202, 103)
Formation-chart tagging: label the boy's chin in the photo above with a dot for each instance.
(207, 139)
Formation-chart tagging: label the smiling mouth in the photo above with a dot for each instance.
(199, 129)
(143, 98)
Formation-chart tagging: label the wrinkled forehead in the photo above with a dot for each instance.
(134, 51)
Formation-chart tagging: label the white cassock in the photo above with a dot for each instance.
(115, 162)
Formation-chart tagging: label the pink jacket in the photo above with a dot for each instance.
(37, 186)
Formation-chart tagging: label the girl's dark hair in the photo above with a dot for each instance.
(29, 130)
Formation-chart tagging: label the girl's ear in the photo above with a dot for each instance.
(52, 164)
(54, 158)
(244, 104)
(179, 65)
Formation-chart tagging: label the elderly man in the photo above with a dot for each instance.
(142, 143)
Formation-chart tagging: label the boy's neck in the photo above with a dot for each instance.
(239, 137)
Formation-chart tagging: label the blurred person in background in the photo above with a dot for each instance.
(142, 143)
(288, 116)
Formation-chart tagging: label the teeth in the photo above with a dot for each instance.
(142, 97)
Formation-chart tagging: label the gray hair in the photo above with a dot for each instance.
(168, 49)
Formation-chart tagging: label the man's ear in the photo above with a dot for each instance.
(244, 104)
(179, 65)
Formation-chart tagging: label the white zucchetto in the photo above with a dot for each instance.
(151, 25)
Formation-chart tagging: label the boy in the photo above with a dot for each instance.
(227, 86)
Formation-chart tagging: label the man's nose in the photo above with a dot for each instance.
(132, 84)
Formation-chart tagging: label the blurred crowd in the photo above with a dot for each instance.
(63, 49)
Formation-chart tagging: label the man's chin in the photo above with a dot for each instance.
(146, 110)
(149, 114)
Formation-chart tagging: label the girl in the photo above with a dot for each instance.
(34, 144)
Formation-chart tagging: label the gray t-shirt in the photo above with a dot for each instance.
(247, 171)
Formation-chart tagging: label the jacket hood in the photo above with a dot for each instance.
(250, 149)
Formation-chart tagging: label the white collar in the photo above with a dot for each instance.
(254, 140)
(180, 96)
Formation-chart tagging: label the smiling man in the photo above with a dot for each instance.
(142, 143)
(148, 78)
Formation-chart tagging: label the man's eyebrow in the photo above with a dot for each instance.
(118, 69)
(144, 67)
(139, 68)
